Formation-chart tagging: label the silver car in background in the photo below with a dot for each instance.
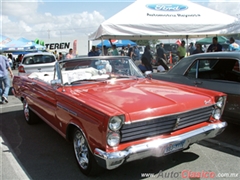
(37, 62)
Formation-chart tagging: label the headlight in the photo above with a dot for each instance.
(217, 113)
(115, 123)
(113, 139)
(220, 102)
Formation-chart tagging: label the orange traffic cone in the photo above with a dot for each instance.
(170, 58)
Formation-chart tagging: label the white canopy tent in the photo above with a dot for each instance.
(154, 19)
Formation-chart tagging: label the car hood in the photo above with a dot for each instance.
(144, 98)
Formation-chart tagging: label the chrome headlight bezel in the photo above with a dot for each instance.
(217, 113)
(115, 122)
(219, 107)
(221, 102)
(113, 139)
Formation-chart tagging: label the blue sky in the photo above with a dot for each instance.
(42, 18)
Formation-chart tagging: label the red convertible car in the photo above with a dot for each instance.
(113, 114)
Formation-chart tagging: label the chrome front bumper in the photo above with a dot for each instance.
(158, 147)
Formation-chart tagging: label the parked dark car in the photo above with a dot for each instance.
(216, 71)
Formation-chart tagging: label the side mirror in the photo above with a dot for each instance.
(148, 74)
(56, 82)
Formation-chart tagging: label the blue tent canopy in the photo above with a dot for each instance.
(9, 43)
(31, 44)
(118, 43)
(20, 46)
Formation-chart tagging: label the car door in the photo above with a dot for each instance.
(220, 75)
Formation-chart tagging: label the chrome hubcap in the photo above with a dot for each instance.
(26, 111)
(81, 150)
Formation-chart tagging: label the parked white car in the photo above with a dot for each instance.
(37, 62)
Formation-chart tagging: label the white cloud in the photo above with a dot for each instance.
(226, 6)
(22, 19)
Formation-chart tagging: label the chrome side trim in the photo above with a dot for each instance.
(156, 147)
(66, 109)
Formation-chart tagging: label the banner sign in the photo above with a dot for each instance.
(62, 45)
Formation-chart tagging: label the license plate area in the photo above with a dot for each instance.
(175, 146)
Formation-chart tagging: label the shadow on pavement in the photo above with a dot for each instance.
(44, 154)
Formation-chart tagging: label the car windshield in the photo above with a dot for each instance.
(97, 69)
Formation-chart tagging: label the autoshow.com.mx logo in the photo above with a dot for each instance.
(167, 7)
(186, 174)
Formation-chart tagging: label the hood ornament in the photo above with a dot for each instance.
(207, 101)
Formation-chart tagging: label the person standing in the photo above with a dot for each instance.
(105, 51)
(191, 48)
(93, 52)
(147, 53)
(10, 59)
(70, 54)
(114, 50)
(122, 52)
(181, 50)
(60, 56)
(161, 52)
(56, 54)
(198, 49)
(4, 79)
(130, 51)
(136, 53)
(233, 46)
(215, 46)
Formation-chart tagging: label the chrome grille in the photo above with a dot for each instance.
(166, 124)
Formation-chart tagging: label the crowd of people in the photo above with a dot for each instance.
(148, 59)
(214, 47)
(145, 61)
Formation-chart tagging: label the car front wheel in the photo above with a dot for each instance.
(83, 155)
